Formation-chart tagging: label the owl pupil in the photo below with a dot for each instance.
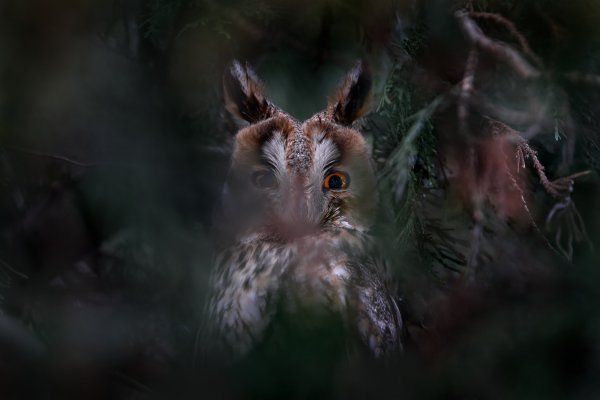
(335, 182)
(264, 180)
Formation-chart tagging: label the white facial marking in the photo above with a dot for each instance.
(326, 152)
(274, 154)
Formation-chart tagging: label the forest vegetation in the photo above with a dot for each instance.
(114, 145)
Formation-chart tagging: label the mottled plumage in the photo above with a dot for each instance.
(298, 203)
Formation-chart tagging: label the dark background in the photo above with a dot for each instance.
(114, 145)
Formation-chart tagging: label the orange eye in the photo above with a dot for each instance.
(336, 181)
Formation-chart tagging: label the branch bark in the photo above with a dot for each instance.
(501, 51)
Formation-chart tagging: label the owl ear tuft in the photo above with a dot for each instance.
(350, 101)
(244, 94)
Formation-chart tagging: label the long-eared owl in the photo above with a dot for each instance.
(298, 203)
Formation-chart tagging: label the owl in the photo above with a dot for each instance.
(298, 202)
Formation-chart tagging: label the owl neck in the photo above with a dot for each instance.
(270, 233)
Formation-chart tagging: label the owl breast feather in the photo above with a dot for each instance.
(328, 274)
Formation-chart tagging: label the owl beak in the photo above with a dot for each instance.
(298, 204)
(295, 219)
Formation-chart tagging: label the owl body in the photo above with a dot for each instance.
(297, 207)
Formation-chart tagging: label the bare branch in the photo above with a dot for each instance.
(565, 216)
(579, 77)
(559, 188)
(512, 29)
(7, 169)
(474, 251)
(51, 156)
(466, 88)
(498, 49)
(508, 115)
(5, 265)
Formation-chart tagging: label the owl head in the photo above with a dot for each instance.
(288, 177)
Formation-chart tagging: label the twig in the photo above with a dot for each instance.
(133, 383)
(559, 188)
(512, 29)
(579, 77)
(466, 88)
(402, 159)
(474, 251)
(521, 192)
(508, 115)
(515, 185)
(506, 53)
(527, 151)
(498, 49)
(51, 156)
(6, 266)
(566, 213)
(6, 168)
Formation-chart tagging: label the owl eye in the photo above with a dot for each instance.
(264, 179)
(336, 181)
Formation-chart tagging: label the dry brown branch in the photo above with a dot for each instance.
(559, 188)
(564, 211)
(506, 53)
(528, 152)
(517, 187)
(512, 29)
(521, 192)
(566, 183)
(506, 170)
(500, 50)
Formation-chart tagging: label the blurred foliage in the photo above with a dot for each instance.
(114, 145)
